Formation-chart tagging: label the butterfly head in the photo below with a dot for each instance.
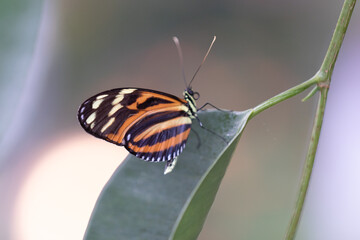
(191, 93)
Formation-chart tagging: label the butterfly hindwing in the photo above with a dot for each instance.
(160, 136)
(150, 124)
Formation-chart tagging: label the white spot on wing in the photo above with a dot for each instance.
(128, 137)
(91, 118)
(82, 109)
(114, 109)
(108, 124)
(92, 125)
(127, 90)
(101, 96)
(118, 99)
(97, 103)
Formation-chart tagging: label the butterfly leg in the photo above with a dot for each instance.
(203, 106)
(202, 126)
(169, 166)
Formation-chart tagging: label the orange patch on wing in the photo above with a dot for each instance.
(161, 146)
(130, 121)
(157, 128)
(146, 95)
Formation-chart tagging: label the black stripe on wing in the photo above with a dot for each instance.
(162, 136)
(152, 101)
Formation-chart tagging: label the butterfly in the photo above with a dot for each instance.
(150, 124)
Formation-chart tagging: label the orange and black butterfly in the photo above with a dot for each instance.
(151, 125)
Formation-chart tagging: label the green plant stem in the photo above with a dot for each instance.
(322, 79)
(328, 64)
(305, 179)
(325, 72)
(285, 95)
(311, 93)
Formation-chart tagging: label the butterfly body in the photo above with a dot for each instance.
(151, 125)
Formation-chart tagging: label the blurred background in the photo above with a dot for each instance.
(56, 54)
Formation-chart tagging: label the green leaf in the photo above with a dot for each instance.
(140, 202)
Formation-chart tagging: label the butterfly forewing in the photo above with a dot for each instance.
(152, 125)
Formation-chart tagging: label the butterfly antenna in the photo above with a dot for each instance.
(177, 43)
(212, 43)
